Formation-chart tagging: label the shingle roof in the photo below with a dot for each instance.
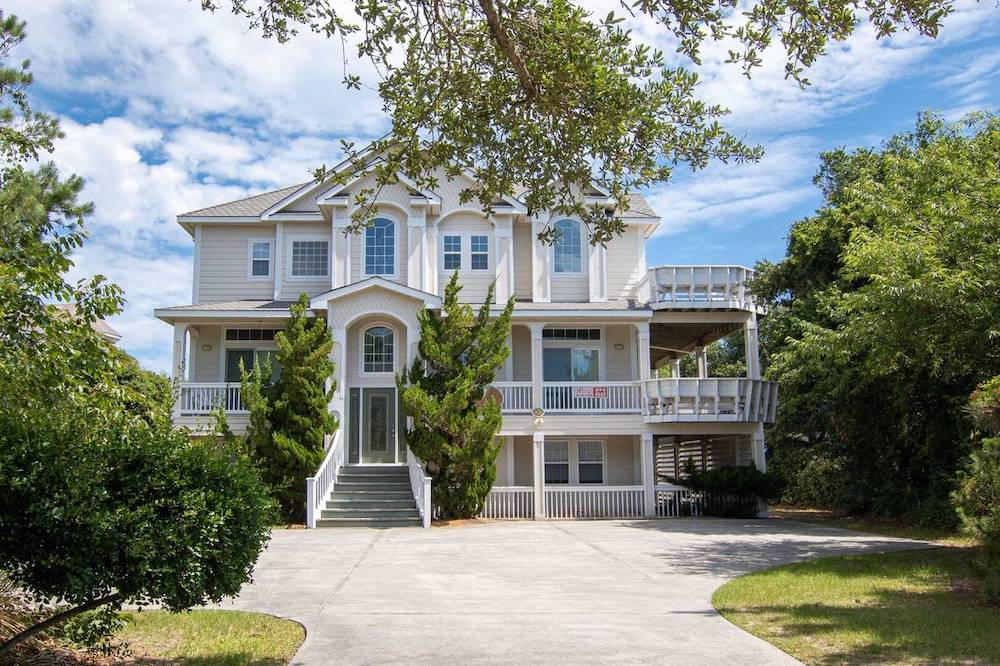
(637, 206)
(254, 205)
(99, 326)
(232, 306)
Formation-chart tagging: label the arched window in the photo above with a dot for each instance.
(380, 247)
(567, 250)
(379, 349)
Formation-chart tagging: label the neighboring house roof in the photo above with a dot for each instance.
(636, 206)
(254, 205)
(99, 326)
(246, 308)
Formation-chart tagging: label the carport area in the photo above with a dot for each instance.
(530, 592)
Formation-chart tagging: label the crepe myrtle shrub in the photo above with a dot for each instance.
(99, 507)
(977, 496)
(454, 429)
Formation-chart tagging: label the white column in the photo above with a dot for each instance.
(538, 473)
(431, 259)
(508, 365)
(338, 354)
(415, 265)
(702, 359)
(196, 277)
(752, 347)
(540, 281)
(536, 364)
(412, 336)
(675, 368)
(504, 260)
(648, 467)
(177, 369)
(279, 256)
(598, 273)
(644, 357)
(341, 273)
(509, 448)
(758, 448)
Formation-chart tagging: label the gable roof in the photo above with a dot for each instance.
(636, 206)
(99, 326)
(250, 206)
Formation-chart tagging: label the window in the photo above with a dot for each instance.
(310, 258)
(571, 334)
(590, 460)
(571, 364)
(480, 246)
(452, 253)
(556, 462)
(567, 252)
(250, 333)
(380, 247)
(378, 350)
(260, 259)
(266, 358)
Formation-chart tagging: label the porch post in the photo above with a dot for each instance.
(702, 358)
(180, 349)
(508, 365)
(644, 358)
(338, 354)
(675, 368)
(648, 475)
(431, 259)
(536, 365)
(509, 450)
(757, 442)
(538, 473)
(752, 348)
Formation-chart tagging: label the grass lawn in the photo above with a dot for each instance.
(203, 637)
(886, 526)
(910, 607)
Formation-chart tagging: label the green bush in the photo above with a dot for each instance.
(737, 480)
(977, 500)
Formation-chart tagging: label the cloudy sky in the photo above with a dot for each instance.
(167, 109)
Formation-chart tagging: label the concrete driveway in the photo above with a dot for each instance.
(526, 592)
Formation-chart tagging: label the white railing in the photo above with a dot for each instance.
(203, 397)
(594, 502)
(420, 484)
(697, 286)
(509, 502)
(591, 397)
(710, 399)
(319, 486)
(676, 501)
(516, 396)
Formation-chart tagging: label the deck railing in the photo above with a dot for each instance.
(594, 502)
(697, 286)
(204, 397)
(710, 399)
(420, 484)
(509, 503)
(591, 397)
(674, 501)
(516, 396)
(319, 486)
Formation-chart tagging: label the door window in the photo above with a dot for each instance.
(267, 358)
(571, 364)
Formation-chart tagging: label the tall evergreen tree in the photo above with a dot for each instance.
(290, 416)
(454, 430)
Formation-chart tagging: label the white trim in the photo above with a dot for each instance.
(232, 219)
(279, 264)
(196, 276)
(396, 239)
(235, 345)
(300, 216)
(319, 301)
(552, 251)
(291, 240)
(568, 463)
(270, 259)
(604, 459)
(361, 352)
(465, 258)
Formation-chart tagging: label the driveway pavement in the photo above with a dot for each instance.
(525, 592)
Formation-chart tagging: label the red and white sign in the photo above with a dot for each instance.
(590, 392)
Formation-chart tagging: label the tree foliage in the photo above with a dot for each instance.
(454, 430)
(290, 417)
(102, 501)
(884, 316)
(540, 98)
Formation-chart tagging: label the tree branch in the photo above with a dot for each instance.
(508, 48)
(56, 619)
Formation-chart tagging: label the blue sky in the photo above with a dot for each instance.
(167, 109)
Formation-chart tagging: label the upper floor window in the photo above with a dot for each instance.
(452, 253)
(379, 352)
(567, 250)
(310, 258)
(480, 257)
(380, 247)
(260, 258)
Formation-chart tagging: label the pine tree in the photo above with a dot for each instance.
(454, 430)
(290, 417)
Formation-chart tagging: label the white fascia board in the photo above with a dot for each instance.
(636, 315)
(298, 217)
(228, 219)
(170, 315)
(319, 301)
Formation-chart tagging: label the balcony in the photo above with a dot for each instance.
(698, 288)
(202, 398)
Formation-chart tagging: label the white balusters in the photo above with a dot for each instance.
(204, 397)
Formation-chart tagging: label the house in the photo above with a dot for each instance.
(99, 326)
(592, 420)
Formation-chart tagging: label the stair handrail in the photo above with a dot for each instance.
(420, 484)
(320, 484)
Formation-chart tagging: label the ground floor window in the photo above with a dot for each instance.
(590, 460)
(556, 462)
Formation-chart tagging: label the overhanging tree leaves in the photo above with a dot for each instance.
(884, 316)
(454, 430)
(539, 98)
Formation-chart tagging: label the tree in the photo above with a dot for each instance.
(539, 98)
(883, 318)
(102, 501)
(726, 358)
(454, 429)
(290, 416)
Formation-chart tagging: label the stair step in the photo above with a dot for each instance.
(339, 492)
(349, 486)
(368, 522)
(375, 469)
(373, 478)
(392, 514)
(370, 503)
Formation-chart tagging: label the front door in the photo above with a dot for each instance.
(378, 425)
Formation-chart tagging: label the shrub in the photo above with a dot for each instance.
(977, 500)
(984, 406)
